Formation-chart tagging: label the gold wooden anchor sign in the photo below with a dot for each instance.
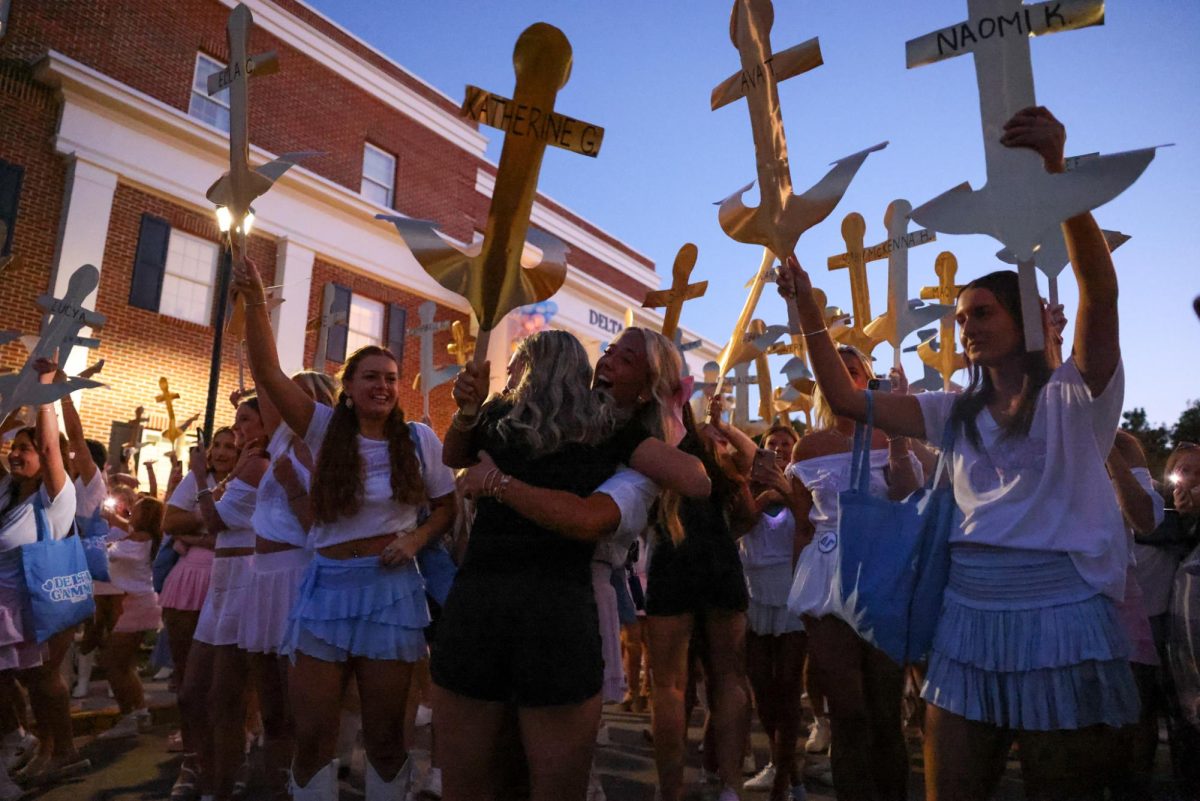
(462, 344)
(680, 292)
(854, 228)
(490, 275)
(172, 432)
(946, 360)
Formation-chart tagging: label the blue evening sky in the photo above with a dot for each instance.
(644, 71)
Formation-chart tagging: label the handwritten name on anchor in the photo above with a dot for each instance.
(522, 119)
(883, 249)
(1033, 20)
(225, 78)
(74, 587)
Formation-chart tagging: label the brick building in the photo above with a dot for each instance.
(107, 146)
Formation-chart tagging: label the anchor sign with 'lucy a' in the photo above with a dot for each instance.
(781, 216)
(490, 275)
(1020, 202)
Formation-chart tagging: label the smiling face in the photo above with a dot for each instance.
(781, 444)
(1186, 472)
(24, 461)
(987, 330)
(223, 453)
(247, 426)
(374, 386)
(624, 371)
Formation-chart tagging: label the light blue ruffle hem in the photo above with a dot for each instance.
(1025, 643)
(356, 607)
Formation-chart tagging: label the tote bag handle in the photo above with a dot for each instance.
(860, 458)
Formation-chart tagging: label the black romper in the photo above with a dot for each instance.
(520, 624)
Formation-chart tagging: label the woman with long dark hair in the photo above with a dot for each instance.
(36, 477)
(1028, 644)
(379, 493)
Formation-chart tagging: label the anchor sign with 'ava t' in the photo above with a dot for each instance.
(1021, 201)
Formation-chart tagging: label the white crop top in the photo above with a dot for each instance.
(236, 509)
(18, 523)
(273, 517)
(826, 476)
(771, 540)
(379, 513)
(129, 566)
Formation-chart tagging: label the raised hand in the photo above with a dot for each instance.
(1037, 129)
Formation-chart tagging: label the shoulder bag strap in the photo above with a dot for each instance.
(860, 458)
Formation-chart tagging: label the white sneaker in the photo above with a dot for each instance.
(818, 738)
(424, 716)
(125, 727)
(431, 785)
(17, 748)
(163, 674)
(764, 780)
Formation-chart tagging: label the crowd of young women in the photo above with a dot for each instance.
(312, 532)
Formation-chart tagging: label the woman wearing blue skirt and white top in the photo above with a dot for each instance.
(362, 608)
(282, 518)
(861, 685)
(1029, 645)
(214, 684)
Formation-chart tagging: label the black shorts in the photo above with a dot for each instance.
(512, 638)
(703, 572)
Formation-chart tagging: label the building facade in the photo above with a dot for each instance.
(108, 143)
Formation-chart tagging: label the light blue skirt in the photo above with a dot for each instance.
(1025, 643)
(358, 608)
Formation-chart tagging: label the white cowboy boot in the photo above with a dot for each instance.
(395, 790)
(323, 786)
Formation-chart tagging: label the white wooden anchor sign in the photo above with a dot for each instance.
(682, 348)
(781, 216)
(430, 377)
(490, 274)
(903, 316)
(60, 332)
(236, 190)
(1051, 258)
(1020, 202)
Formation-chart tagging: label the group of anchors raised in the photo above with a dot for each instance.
(1021, 205)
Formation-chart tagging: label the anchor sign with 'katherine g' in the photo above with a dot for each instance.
(1020, 202)
(490, 275)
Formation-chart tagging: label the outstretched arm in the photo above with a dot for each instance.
(1097, 346)
(54, 473)
(295, 407)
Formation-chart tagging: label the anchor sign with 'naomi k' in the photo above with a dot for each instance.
(490, 275)
(1021, 201)
(781, 216)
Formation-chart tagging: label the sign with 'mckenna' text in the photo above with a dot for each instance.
(1031, 20)
(522, 119)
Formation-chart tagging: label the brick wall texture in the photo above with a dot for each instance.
(151, 46)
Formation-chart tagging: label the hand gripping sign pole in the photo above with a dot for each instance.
(490, 276)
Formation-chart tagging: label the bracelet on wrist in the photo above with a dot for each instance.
(204, 492)
(463, 422)
(502, 487)
(820, 330)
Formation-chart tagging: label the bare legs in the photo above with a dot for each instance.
(118, 659)
(775, 667)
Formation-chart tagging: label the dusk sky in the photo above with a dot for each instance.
(644, 71)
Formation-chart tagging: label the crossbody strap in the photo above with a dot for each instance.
(860, 457)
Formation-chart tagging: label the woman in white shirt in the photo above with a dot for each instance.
(37, 476)
(362, 609)
(1029, 644)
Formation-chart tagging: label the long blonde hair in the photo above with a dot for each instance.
(554, 404)
(664, 366)
(822, 415)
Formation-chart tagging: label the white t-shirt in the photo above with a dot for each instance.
(770, 541)
(379, 513)
(1049, 490)
(18, 523)
(273, 517)
(184, 496)
(236, 509)
(633, 494)
(129, 566)
(90, 496)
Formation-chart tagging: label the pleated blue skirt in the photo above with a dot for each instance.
(1025, 643)
(358, 608)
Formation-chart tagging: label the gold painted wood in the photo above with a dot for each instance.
(854, 228)
(946, 360)
(680, 292)
(462, 344)
(172, 432)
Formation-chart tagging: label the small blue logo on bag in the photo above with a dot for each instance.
(827, 542)
(76, 587)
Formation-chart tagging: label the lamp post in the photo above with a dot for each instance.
(225, 224)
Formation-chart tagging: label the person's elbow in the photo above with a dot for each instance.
(598, 522)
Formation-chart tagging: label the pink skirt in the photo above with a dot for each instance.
(139, 612)
(187, 584)
(227, 601)
(17, 651)
(1131, 611)
(274, 585)
(615, 685)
